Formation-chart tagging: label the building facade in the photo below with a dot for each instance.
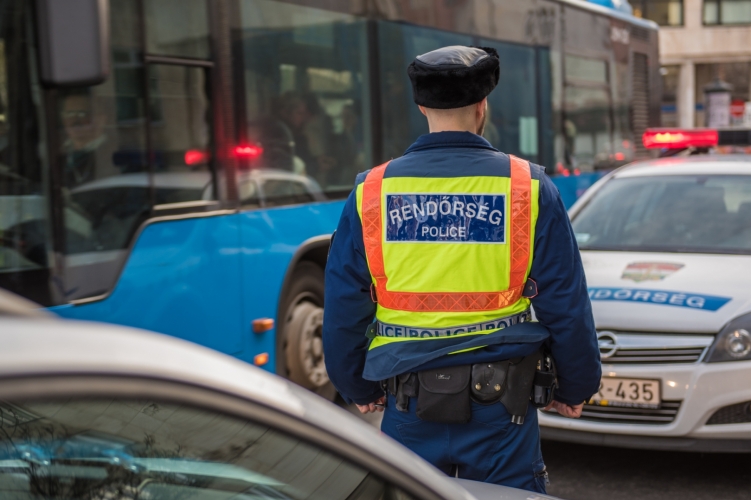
(701, 41)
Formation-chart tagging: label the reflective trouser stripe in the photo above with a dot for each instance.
(391, 330)
(520, 231)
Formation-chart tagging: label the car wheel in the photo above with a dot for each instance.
(301, 333)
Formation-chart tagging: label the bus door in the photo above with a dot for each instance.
(108, 200)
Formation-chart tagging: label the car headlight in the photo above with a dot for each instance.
(733, 343)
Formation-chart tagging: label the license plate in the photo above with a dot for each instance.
(628, 392)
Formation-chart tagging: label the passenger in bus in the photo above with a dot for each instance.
(349, 148)
(294, 114)
(319, 132)
(312, 131)
(84, 148)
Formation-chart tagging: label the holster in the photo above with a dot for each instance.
(546, 381)
(521, 376)
(403, 387)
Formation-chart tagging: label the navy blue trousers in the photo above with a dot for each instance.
(489, 448)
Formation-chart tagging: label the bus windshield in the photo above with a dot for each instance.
(681, 213)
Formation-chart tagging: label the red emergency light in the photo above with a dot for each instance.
(664, 138)
(196, 157)
(248, 151)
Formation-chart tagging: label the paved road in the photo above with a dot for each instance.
(579, 472)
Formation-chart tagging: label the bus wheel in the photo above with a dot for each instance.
(302, 341)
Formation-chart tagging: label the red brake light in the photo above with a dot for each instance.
(248, 151)
(196, 157)
(679, 139)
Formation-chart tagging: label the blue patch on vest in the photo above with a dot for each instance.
(449, 218)
(660, 297)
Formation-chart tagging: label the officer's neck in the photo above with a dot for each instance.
(442, 124)
(434, 130)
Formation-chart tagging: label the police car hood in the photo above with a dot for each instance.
(670, 292)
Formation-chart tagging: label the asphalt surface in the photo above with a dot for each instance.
(580, 472)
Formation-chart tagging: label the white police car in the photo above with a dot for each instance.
(666, 247)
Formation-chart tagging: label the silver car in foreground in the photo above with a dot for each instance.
(102, 412)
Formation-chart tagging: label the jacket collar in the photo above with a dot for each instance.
(449, 140)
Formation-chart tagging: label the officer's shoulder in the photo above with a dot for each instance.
(361, 177)
(536, 171)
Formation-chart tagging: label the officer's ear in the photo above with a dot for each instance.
(422, 110)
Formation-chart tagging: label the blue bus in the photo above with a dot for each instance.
(180, 165)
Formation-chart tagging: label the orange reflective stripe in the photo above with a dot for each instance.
(521, 218)
(372, 228)
(521, 214)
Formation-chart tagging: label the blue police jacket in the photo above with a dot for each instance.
(562, 304)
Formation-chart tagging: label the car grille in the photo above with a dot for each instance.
(665, 414)
(656, 355)
(734, 414)
(651, 348)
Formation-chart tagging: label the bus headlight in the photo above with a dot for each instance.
(733, 343)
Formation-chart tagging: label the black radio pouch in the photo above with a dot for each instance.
(444, 395)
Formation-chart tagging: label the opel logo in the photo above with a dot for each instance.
(608, 344)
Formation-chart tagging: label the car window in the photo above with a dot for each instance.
(680, 213)
(124, 449)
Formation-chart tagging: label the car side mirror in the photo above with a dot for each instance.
(74, 42)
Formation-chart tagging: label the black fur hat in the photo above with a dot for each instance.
(454, 77)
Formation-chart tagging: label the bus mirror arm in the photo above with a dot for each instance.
(74, 42)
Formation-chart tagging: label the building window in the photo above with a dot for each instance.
(663, 12)
(737, 74)
(727, 12)
(670, 76)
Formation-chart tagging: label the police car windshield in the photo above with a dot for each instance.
(680, 213)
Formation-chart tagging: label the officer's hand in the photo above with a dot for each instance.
(570, 411)
(372, 408)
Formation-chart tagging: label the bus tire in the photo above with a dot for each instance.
(301, 338)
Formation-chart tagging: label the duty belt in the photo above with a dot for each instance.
(391, 330)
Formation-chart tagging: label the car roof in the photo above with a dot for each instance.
(59, 347)
(688, 165)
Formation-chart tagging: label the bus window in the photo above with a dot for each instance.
(587, 124)
(180, 131)
(587, 127)
(102, 159)
(177, 28)
(305, 92)
(399, 44)
(512, 122)
(24, 228)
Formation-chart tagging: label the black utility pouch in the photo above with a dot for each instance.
(488, 381)
(444, 395)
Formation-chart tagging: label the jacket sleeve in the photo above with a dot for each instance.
(562, 304)
(348, 310)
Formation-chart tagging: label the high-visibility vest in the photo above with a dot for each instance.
(447, 252)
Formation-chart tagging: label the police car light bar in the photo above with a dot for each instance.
(664, 138)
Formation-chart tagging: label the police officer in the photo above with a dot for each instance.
(431, 273)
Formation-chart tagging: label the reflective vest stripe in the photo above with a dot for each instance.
(521, 217)
(372, 226)
(521, 214)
